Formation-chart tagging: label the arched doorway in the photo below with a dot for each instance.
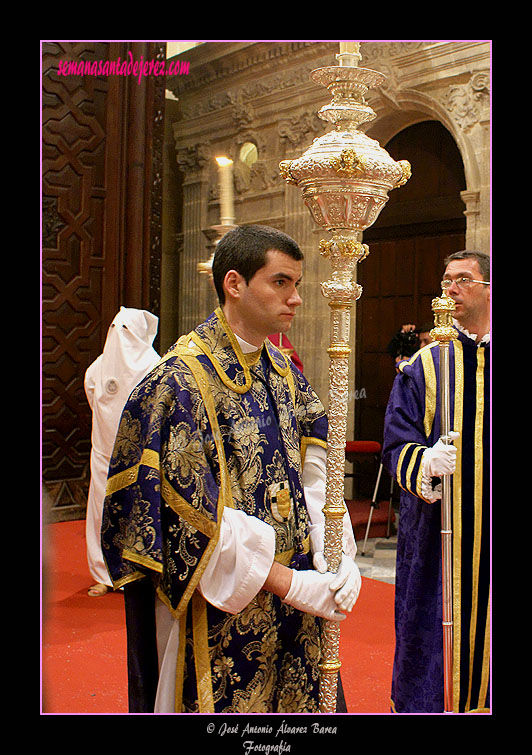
(421, 224)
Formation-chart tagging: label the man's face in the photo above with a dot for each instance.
(268, 303)
(472, 302)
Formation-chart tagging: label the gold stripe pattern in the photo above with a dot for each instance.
(457, 518)
(306, 442)
(477, 507)
(127, 579)
(199, 612)
(286, 556)
(411, 464)
(485, 659)
(410, 468)
(430, 389)
(180, 665)
(129, 476)
(138, 558)
(187, 512)
(400, 464)
(201, 654)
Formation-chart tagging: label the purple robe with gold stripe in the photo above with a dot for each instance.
(412, 424)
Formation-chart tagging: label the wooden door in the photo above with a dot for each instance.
(101, 201)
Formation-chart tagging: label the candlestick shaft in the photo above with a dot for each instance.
(345, 178)
(446, 538)
(334, 508)
(444, 332)
(343, 252)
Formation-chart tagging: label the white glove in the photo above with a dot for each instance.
(310, 591)
(348, 581)
(441, 458)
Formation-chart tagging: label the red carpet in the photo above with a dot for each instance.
(84, 639)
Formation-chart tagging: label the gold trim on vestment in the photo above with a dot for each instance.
(252, 357)
(220, 370)
(224, 498)
(485, 659)
(180, 664)
(187, 512)
(306, 442)
(224, 495)
(400, 465)
(411, 465)
(129, 476)
(286, 556)
(285, 371)
(429, 371)
(238, 388)
(458, 420)
(127, 579)
(138, 558)
(201, 654)
(176, 350)
(477, 508)
(245, 360)
(419, 477)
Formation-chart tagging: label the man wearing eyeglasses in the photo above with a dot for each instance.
(415, 455)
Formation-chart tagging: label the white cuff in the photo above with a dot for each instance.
(427, 491)
(240, 562)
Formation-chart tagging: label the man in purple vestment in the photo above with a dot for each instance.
(416, 457)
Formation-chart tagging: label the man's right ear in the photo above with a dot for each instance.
(232, 284)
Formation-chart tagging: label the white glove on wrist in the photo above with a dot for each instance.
(310, 591)
(348, 581)
(441, 458)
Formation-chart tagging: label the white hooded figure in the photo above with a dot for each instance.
(128, 356)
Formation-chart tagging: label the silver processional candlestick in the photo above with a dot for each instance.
(345, 177)
(444, 332)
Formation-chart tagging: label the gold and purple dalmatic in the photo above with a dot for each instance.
(412, 424)
(209, 428)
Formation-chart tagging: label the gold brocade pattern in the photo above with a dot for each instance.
(206, 429)
(281, 681)
(280, 646)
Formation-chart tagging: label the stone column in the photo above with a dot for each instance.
(193, 162)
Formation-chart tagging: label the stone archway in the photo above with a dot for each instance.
(463, 109)
(421, 224)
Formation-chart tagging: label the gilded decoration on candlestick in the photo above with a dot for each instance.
(443, 307)
(407, 172)
(345, 247)
(349, 164)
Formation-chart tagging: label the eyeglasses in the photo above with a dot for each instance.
(462, 283)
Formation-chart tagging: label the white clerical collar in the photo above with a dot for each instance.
(485, 338)
(247, 348)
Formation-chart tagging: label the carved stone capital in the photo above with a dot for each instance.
(193, 159)
(469, 103)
